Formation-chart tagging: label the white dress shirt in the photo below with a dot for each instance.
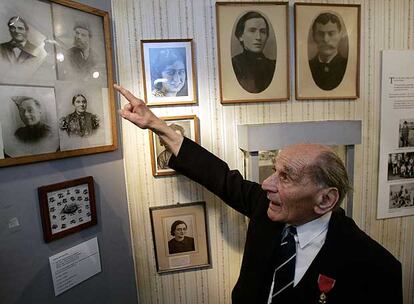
(309, 240)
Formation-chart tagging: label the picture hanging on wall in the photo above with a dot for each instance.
(327, 44)
(57, 96)
(187, 126)
(253, 48)
(67, 207)
(168, 71)
(180, 236)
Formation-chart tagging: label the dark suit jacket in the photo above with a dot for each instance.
(328, 76)
(364, 271)
(27, 53)
(185, 245)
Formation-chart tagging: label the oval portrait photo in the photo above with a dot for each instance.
(253, 51)
(328, 50)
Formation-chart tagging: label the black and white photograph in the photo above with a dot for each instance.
(56, 84)
(406, 133)
(80, 114)
(29, 121)
(253, 51)
(26, 43)
(401, 196)
(327, 50)
(180, 236)
(168, 72)
(80, 45)
(400, 166)
(67, 207)
(186, 126)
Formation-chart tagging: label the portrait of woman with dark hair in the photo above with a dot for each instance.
(180, 242)
(168, 72)
(79, 122)
(254, 71)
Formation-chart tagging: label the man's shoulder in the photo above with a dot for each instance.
(352, 238)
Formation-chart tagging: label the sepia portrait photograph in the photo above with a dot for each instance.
(406, 133)
(186, 126)
(180, 236)
(169, 76)
(80, 113)
(29, 121)
(253, 51)
(80, 45)
(327, 43)
(401, 196)
(26, 43)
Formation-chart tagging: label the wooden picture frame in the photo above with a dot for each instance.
(58, 98)
(338, 78)
(180, 237)
(253, 70)
(67, 207)
(168, 72)
(188, 126)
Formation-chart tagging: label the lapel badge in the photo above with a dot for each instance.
(325, 285)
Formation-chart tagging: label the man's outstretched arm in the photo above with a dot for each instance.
(137, 112)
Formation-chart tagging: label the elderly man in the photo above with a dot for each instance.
(81, 57)
(328, 66)
(254, 71)
(18, 50)
(300, 246)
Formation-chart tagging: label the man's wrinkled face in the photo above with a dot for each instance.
(82, 38)
(327, 37)
(255, 35)
(18, 31)
(291, 192)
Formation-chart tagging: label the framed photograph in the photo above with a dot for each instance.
(327, 45)
(253, 49)
(180, 236)
(57, 93)
(67, 207)
(187, 126)
(168, 71)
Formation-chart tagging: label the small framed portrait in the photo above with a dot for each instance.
(67, 207)
(180, 236)
(168, 71)
(401, 198)
(327, 45)
(188, 126)
(253, 48)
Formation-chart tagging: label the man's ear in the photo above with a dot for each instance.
(327, 200)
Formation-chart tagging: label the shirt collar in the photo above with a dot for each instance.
(309, 231)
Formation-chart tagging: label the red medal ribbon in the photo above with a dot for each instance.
(325, 283)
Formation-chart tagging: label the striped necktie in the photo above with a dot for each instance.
(283, 278)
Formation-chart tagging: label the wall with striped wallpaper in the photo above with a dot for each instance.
(386, 24)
